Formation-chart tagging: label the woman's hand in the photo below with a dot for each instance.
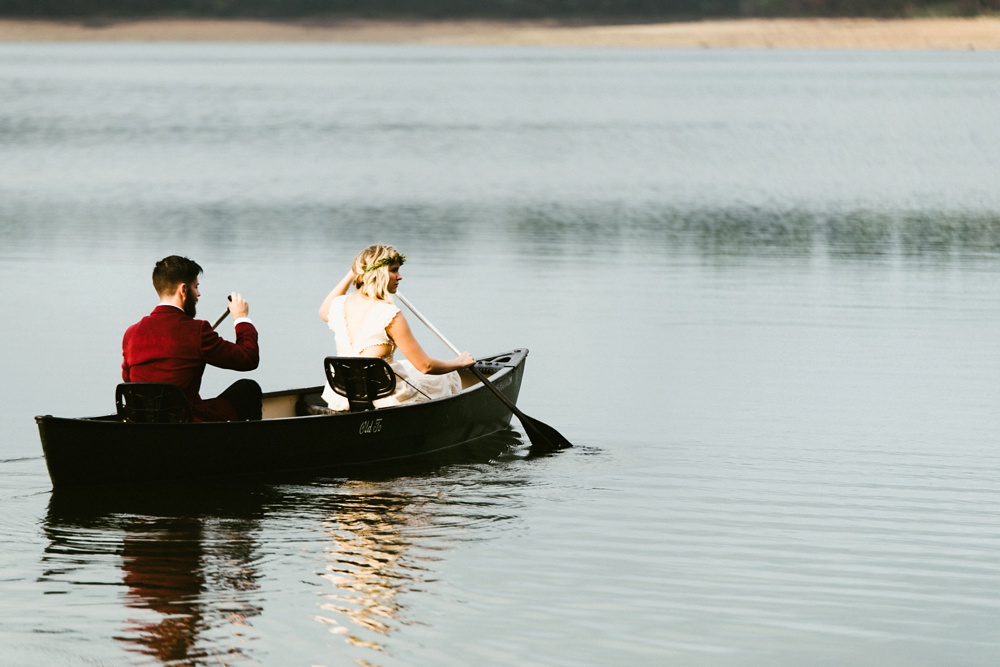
(464, 360)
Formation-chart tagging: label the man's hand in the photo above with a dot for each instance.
(238, 307)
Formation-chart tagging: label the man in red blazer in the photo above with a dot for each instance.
(172, 347)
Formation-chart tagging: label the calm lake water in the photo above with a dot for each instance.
(760, 290)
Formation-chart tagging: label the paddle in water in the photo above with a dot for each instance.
(540, 434)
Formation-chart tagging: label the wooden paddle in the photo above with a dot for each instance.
(221, 317)
(539, 433)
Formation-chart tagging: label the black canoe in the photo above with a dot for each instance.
(106, 450)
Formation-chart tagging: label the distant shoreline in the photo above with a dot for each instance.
(981, 33)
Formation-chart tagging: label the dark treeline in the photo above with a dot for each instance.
(649, 10)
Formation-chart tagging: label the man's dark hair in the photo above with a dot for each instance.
(172, 271)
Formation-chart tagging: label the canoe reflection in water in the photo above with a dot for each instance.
(188, 559)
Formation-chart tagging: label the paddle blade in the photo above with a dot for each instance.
(542, 435)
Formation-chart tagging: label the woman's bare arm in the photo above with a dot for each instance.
(399, 331)
(339, 290)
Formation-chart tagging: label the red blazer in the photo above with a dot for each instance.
(171, 347)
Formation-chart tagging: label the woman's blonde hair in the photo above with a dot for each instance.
(371, 270)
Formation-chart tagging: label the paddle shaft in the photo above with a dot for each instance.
(479, 373)
(222, 317)
(538, 432)
(419, 316)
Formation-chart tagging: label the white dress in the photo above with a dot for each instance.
(412, 386)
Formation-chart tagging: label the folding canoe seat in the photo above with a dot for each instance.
(152, 403)
(361, 380)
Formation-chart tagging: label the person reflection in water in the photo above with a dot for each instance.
(171, 347)
(367, 567)
(367, 323)
(163, 570)
(180, 592)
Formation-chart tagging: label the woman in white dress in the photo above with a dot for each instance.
(367, 323)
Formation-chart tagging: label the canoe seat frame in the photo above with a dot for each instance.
(152, 403)
(361, 380)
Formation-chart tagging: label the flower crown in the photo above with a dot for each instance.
(387, 261)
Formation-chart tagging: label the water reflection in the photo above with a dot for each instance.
(752, 230)
(374, 531)
(188, 566)
(162, 567)
(365, 563)
(578, 230)
(188, 561)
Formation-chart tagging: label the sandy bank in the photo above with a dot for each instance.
(947, 33)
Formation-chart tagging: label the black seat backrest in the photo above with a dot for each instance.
(361, 380)
(152, 403)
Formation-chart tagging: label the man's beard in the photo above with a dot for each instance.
(190, 306)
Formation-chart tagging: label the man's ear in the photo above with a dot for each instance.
(182, 290)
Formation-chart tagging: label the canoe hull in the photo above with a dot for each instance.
(106, 451)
